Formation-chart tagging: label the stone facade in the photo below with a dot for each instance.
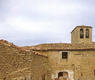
(80, 65)
(73, 61)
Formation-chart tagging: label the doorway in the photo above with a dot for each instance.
(63, 75)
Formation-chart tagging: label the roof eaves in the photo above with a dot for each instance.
(64, 49)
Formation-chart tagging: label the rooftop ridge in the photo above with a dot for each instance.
(62, 46)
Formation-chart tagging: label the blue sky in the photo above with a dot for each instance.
(31, 22)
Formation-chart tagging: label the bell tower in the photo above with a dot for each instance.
(81, 34)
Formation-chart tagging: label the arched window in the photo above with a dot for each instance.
(87, 33)
(81, 33)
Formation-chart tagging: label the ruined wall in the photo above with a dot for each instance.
(80, 64)
(18, 64)
(12, 61)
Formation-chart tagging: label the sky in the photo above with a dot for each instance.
(31, 22)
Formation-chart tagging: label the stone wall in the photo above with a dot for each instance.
(80, 65)
(18, 64)
(40, 68)
(12, 61)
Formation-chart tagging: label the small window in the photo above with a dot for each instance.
(64, 55)
(81, 33)
(87, 33)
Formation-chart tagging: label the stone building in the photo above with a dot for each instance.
(71, 61)
(52, 61)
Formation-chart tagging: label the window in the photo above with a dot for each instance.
(87, 33)
(81, 33)
(64, 55)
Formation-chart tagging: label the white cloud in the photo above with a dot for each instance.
(43, 20)
(28, 25)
